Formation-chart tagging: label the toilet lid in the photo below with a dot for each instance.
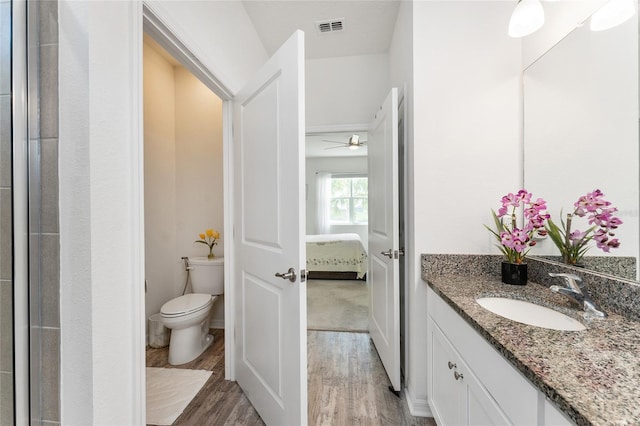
(186, 304)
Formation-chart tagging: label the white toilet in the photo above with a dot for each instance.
(188, 316)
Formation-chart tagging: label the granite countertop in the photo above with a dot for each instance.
(593, 376)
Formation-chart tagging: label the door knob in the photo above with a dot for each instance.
(388, 253)
(289, 275)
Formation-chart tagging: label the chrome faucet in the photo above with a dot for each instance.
(576, 290)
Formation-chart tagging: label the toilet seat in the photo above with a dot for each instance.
(185, 305)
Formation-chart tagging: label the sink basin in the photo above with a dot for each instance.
(530, 313)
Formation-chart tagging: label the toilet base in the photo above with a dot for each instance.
(187, 344)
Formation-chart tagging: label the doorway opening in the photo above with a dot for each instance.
(208, 86)
(333, 332)
(337, 230)
(184, 204)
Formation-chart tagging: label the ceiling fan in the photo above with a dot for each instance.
(354, 142)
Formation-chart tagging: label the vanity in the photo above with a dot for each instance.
(486, 369)
(580, 132)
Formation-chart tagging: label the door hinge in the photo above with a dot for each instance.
(398, 253)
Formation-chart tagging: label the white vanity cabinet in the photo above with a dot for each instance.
(456, 395)
(471, 383)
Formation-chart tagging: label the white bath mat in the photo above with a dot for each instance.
(169, 391)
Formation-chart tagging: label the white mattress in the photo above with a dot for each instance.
(336, 253)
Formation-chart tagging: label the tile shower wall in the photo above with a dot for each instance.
(44, 269)
(6, 237)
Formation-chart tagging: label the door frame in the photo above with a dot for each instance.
(330, 128)
(169, 40)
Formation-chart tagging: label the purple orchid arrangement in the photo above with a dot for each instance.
(515, 242)
(573, 244)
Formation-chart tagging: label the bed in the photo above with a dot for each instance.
(336, 256)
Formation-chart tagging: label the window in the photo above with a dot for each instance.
(349, 200)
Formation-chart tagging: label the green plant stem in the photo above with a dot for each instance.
(567, 239)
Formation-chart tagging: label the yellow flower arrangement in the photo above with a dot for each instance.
(209, 238)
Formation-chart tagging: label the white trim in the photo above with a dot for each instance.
(417, 407)
(334, 128)
(138, 381)
(403, 115)
(229, 247)
(161, 32)
(20, 212)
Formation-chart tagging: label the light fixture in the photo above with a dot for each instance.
(527, 18)
(612, 14)
(354, 142)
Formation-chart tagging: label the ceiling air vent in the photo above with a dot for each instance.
(330, 26)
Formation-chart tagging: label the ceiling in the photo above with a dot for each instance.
(368, 29)
(368, 25)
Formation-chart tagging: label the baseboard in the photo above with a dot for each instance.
(417, 408)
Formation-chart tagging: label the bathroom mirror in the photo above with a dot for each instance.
(581, 133)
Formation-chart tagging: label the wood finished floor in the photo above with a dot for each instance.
(347, 386)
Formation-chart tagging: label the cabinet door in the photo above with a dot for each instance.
(481, 407)
(455, 393)
(445, 392)
(554, 417)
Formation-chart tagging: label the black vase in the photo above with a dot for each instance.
(514, 273)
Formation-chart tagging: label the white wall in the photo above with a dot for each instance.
(100, 163)
(199, 186)
(333, 165)
(345, 90)
(183, 176)
(467, 129)
(466, 143)
(160, 180)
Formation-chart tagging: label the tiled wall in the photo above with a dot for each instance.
(44, 250)
(6, 238)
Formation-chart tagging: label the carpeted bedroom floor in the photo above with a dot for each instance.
(337, 305)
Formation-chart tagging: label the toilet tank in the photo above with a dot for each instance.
(207, 275)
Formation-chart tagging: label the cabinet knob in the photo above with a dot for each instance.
(451, 365)
(458, 375)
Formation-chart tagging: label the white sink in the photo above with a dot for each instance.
(530, 313)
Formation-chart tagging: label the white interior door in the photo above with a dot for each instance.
(270, 312)
(384, 251)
